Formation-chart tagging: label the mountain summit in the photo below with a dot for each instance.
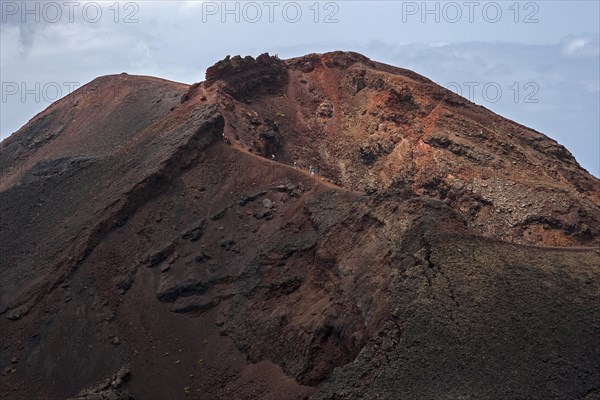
(324, 227)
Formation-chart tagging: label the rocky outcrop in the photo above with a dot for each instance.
(246, 78)
(112, 389)
(363, 124)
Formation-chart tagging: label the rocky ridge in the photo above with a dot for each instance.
(441, 251)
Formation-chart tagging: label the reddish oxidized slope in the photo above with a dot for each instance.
(366, 126)
(136, 243)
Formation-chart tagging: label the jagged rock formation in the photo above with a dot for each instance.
(369, 125)
(111, 389)
(421, 262)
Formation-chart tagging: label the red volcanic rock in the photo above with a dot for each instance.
(248, 77)
(369, 125)
(438, 251)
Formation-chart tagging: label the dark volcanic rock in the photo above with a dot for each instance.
(157, 256)
(194, 232)
(248, 77)
(440, 252)
(112, 389)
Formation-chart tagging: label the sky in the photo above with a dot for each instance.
(535, 62)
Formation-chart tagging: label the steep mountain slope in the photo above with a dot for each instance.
(143, 256)
(371, 126)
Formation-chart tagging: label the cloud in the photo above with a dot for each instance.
(190, 6)
(439, 44)
(591, 85)
(141, 56)
(582, 46)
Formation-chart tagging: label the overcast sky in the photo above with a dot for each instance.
(536, 62)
